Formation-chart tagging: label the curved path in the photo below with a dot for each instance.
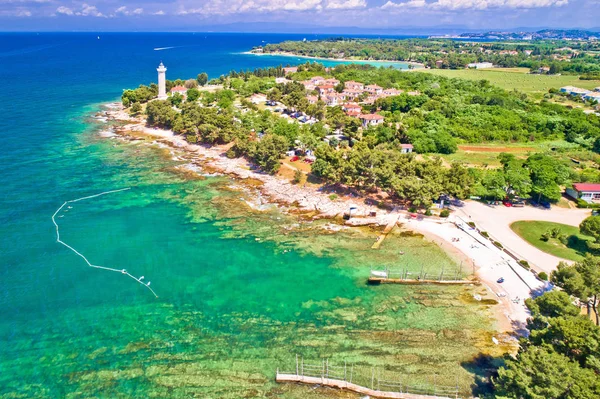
(496, 220)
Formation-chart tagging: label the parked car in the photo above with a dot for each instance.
(518, 204)
(271, 103)
(500, 280)
(294, 158)
(507, 203)
(546, 204)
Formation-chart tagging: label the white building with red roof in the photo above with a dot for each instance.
(179, 90)
(374, 89)
(351, 107)
(406, 148)
(352, 85)
(308, 85)
(391, 92)
(317, 80)
(352, 93)
(589, 192)
(370, 119)
(324, 89)
(331, 81)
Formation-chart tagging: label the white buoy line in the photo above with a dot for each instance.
(122, 271)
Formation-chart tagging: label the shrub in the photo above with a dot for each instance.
(444, 213)
(471, 224)
(297, 176)
(586, 205)
(485, 234)
(428, 212)
(333, 197)
(412, 209)
(525, 264)
(496, 243)
(545, 237)
(564, 239)
(191, 138)
(543, 276)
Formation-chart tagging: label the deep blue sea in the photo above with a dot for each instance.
(239, 292)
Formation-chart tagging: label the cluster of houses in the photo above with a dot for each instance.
(586, 95)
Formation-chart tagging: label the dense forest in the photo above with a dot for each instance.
(559, 56)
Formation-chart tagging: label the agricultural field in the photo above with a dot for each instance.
(571, 246)
(517, 78)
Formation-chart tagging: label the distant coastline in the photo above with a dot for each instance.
(286, 54)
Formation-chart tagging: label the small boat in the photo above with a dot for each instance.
(500, 280)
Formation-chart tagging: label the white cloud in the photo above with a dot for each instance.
(64, 10)
(474, 4)
(345, 4)
(159, 12)
(23, 13)
(124, 11)
(88, 10)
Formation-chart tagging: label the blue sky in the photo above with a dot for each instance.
(159, 15)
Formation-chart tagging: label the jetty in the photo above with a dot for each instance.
(390, 226)
(386, 276)
(341, 377)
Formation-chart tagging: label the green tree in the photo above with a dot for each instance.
(591, 227)
(268, 151)
(581, 280)
(540, 373)
(193, 94)
(202, 79)
(458, 181)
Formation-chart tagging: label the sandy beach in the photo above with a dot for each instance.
(452, 234)
(284, 54)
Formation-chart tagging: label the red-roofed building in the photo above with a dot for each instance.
(312, 99)
(352, 85)
(589, 192)
(317, 80)
(371, 119)
(406, 148)
(352, 109)
(179, 89)
(288, 70)
(324, 89)
(374, 89)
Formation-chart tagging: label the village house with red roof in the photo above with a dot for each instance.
(179, 90)
(370, 120)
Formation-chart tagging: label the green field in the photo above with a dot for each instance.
(531, 231)
(517, 78)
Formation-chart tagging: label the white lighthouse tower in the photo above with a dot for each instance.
(162, 87)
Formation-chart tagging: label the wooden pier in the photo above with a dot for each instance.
(445, 277)
(340, 384)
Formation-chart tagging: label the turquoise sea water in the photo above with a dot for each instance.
(240, 291)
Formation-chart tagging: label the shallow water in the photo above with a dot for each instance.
(241, 290)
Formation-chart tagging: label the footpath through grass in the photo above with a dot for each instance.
(572, 247)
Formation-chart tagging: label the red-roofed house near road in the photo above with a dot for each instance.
(589, 192)
(288, 70)
(371, 119)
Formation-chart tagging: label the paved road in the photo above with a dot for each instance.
(496, 220)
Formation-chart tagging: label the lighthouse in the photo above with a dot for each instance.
(162, 88)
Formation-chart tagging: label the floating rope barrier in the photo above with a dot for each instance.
(122, 271)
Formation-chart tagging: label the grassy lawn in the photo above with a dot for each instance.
(516, 78)
(531, 231)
